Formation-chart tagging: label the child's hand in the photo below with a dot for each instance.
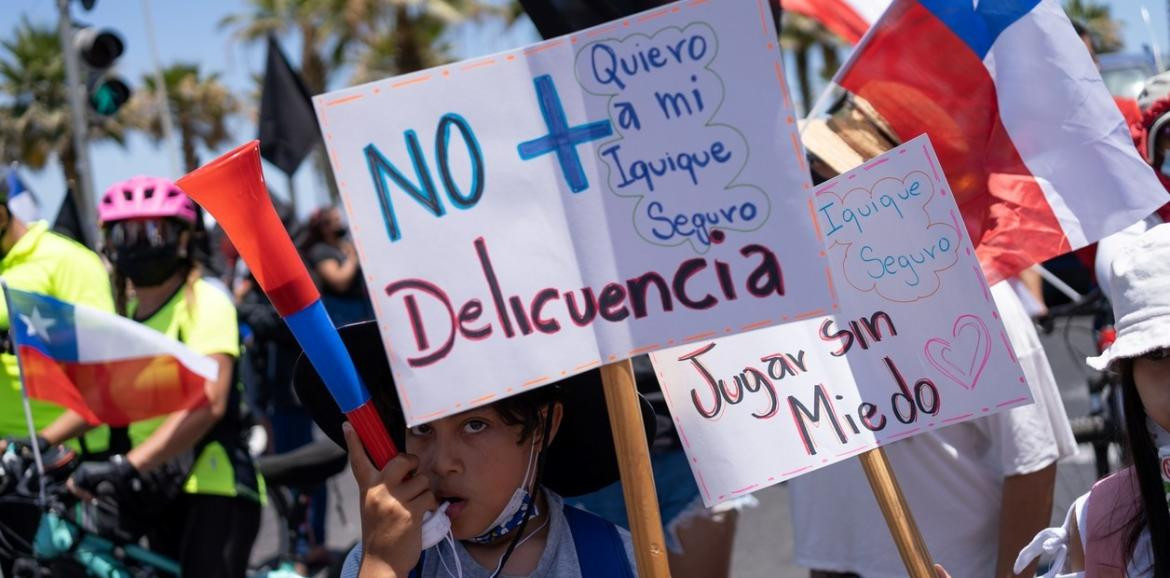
(392, 507)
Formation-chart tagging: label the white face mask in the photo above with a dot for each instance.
(436, 525)
(513, 513)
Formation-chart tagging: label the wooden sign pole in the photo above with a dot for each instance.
(629, 439)
(889, 496)
(836, 155)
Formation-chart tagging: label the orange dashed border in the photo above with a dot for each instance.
(542, 47)
(478, 64)
(410, 81)
(808, 314)
(700, 336)
(584, 366)
(652, 15)
(535, 382)
(646, 349)
(480, 400)
(757, 325)
(344, 99)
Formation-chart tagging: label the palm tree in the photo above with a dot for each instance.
(800, 35)
(325, 28)
(34, 114)
(199, 105)
(403, 36)
(1098, 19)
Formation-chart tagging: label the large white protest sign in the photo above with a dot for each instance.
(915, 343)
(529, 215)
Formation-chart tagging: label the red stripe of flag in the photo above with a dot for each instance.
(922, 78)
(117, 393)
(836, 15)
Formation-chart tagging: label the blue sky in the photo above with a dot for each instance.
(188, 31)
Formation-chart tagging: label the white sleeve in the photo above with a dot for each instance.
(1031, 437)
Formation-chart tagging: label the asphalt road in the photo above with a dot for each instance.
(764, 544)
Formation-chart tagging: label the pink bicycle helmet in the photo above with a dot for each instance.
(145, 198)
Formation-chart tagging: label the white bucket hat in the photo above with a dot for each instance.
(1141, 298)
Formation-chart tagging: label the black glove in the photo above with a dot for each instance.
(116, 477)
(23, 446)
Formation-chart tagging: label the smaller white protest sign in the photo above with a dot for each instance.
(914, 344)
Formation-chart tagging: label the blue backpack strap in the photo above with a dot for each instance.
(417, 572)
(600, 550)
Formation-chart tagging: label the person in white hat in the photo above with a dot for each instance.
(1122, 526)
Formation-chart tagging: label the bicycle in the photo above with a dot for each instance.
(1101, 426)
(64, 536)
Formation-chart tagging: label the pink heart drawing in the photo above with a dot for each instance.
(963, 360)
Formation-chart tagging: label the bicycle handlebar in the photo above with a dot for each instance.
(1091, 303)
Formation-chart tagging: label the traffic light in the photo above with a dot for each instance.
(98, 50)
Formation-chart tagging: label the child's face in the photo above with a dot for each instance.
(475, 461)
(1151, 375)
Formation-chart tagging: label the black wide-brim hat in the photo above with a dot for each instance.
(581, 458)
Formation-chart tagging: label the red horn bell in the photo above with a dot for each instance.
(232, 189)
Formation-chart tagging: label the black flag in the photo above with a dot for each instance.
(288, 127)
(68, 221)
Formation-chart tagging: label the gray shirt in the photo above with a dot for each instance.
(559, 558)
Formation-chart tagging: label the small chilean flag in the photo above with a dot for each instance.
(848, 19)
(107, 368)
(1035, 150)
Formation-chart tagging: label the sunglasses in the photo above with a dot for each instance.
(142, 232)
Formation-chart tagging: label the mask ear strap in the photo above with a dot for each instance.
(535, 487)
(533, 457)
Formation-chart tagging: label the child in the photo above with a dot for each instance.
(1122, 526)
(499, 470)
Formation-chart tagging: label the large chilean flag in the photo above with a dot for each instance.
(107, 368)
(1034, 148)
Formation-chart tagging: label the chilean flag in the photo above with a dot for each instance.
(848, 19)
(107, 368)
(1035, 150)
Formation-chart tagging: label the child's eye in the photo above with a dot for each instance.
(420, 430)
(1159, 354)
(475, 426)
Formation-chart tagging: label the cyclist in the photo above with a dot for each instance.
(188, 481)
(35, 259)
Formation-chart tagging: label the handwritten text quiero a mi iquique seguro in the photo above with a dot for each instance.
(662, 92)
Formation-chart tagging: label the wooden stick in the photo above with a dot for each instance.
(889, 496)
(629, 439)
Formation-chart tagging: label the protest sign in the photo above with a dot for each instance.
(914, 344)
(540, 212)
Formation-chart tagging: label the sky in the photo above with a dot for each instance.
(189, 32)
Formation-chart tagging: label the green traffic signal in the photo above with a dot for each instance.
(108, 96)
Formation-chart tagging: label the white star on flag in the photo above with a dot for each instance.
(38, 325)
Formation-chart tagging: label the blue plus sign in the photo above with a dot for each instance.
(561, 138)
